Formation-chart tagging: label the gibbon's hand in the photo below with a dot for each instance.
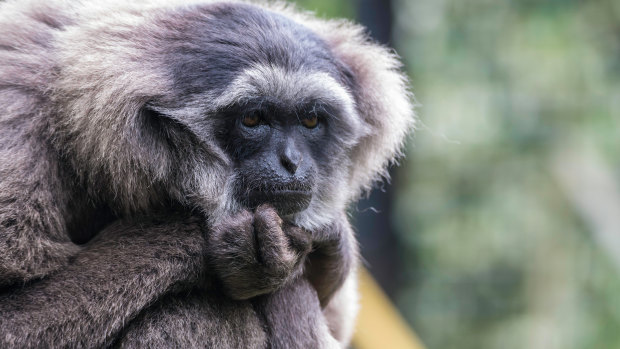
(256, 253)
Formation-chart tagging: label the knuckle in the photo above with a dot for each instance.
(268, 216)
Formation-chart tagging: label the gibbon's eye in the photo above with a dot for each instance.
(251, 120)
(310, 122)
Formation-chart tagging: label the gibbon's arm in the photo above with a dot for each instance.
(288, 316)
(131, 265)
(295, 315)
(331, 268)
(294, 319)
(333, 258)
(33, 201)
(119, 273)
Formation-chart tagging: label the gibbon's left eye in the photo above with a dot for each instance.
(310, 122)
(251, 120)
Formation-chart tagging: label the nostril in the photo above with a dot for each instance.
(290, 156)
(290, 163)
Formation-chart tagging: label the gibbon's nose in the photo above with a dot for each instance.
(290, 157)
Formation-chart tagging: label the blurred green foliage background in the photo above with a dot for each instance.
(506, 211)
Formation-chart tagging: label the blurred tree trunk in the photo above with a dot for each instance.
(377, 237)
(376, 15)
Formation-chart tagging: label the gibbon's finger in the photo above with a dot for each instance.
(299, 239)
(273, 249)
(235, 232)
(231, 247)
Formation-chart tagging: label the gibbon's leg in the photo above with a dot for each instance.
(290, 317)
(123, 270)
(197, 319)
(341, 311)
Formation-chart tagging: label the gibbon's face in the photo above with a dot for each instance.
(278, 151)
(280, 105)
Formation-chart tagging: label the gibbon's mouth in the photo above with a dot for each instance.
(284, 201)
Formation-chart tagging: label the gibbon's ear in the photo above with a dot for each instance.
(159, 131)
(383, 99)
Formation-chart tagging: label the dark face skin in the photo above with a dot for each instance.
(276, 150)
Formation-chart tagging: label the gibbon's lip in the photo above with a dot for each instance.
(284, 201)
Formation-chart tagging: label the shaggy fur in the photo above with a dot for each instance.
(118, 220)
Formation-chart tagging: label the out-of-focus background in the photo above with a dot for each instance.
(501, 229)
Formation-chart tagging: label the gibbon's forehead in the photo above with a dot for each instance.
(290, 90)
(219, 43)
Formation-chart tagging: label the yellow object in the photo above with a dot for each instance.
(379, 325)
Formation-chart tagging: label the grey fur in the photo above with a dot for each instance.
(88, 259)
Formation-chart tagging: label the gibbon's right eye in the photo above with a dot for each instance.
(310, 122)
(251, 120)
